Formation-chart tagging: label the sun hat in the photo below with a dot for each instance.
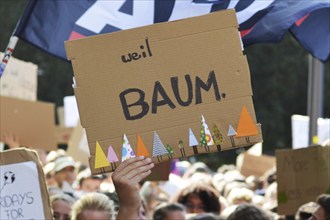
(63, 162)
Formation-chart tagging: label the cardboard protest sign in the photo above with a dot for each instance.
(19, 79)
(302, 175)
(160, 172)
(140, 91)
(32, 122)
(23, 189)
(249, 164)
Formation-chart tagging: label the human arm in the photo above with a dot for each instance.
(126, 178)
(11, 140)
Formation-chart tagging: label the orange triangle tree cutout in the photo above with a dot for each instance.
(141, 148)
(246, 126)
(100, 158)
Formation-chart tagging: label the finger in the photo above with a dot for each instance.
(127, 162)
(139, 170)
(135, 166)
(135, 180)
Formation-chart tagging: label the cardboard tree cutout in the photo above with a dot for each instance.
(158, 147)
(217, 137)
(101, 160)
(206, 137)
(112, 157)
(246, 127)
(141, 147)
(231, 133)
(127, 151)
(193, 141)
(170, 151)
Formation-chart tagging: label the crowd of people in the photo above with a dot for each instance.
(193, 191)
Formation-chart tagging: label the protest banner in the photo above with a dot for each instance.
(19, 80)
(152, 90)
(249, 164)
(23, 188)
(302, 175)
(32, 122)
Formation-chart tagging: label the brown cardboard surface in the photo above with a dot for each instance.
(202, 48)
(19, 155)
(302, 175)
(32, 122)
(249, 164)
(160, 172)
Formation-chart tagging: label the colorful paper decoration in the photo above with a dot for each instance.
(206, 137)
(158, 147)
(141, 148)
(193, 141)
(112, 157)
(169, 150)
(246, 126)
(231, 133)
(100, 158)
(127, 151)
(217, 137)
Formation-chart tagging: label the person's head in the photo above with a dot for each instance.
(249, 212)
(239, 196)
(323, 210)
(88, 182)
(305, 211)
(198, 198)
(49, 174)
(93, 206)
(61, 206)
(205, 216)
(167, 211)
(64, 169)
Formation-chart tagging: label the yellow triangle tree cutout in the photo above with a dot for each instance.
(141, 147)
(100, 158)
(246, 126)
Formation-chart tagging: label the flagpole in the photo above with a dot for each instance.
(9, 50)
(315, 97)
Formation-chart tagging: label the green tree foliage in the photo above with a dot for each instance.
(279, 74)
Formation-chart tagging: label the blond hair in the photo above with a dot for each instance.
(93, 201)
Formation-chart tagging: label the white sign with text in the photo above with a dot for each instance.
(20, 194)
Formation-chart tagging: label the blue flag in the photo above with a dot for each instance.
(47, 24)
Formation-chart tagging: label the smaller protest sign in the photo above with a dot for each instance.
(249, 164)
(23, 189)
(302, 175)
(19, 80)
(32, 122)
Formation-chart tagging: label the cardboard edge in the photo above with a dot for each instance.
(20, 155)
